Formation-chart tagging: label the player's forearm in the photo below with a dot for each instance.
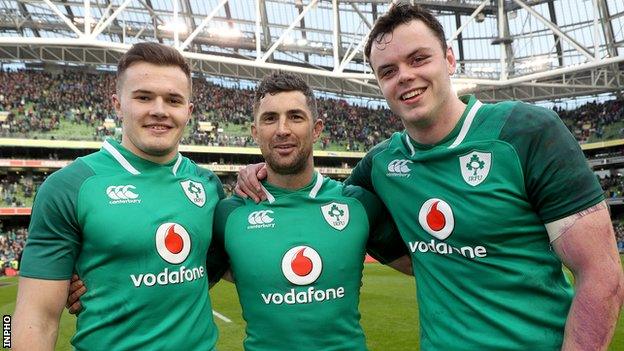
(594, 312)
(37, 313)
(29, 335)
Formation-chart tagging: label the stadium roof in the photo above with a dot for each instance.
(507, 49)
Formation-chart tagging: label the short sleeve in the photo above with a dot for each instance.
(558, 179)
(384, 242)
(54, 234)
(361, 174)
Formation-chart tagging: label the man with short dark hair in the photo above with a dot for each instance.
(491, 200)
(297, 258)
(133, 220)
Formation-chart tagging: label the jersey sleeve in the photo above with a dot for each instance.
(218, 261)
(361, 174)
(558, 179)
(384, 242)
(54, 234)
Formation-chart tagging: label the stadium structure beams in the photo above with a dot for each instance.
(339, 29)
(26, 14)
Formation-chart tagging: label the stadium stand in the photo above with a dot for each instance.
(12, 241)
(595, 121)
(35, 103)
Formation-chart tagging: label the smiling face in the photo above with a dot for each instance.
(153, 102)
(413, 72)
(285, 130)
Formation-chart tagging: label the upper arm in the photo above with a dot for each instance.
(384, 242)
(54, 236)
(558, 179)
(586, 243)
(361, 173)
(37, 312)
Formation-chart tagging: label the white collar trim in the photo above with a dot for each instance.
(126, 164)
(315, 189)
(467, 123)
(119, 158)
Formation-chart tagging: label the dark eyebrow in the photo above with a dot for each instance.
(268, 114)
(148, 92)
(414, 52)
(142, 91)
(297, 110)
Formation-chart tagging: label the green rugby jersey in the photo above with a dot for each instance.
(472, 210)
(297, 261)
(137, 233)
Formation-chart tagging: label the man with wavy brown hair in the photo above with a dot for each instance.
(491, 199)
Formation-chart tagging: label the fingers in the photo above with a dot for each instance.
(262, 172)
(247, 182)
(75, 308)
(76, 289)
(239, 192)
(243, 186)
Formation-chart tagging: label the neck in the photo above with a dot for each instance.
(291, 181)
(435, 129)
(160, 159)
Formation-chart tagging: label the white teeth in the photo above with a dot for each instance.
(412, 93)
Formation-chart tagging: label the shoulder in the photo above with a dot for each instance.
(231, 203)
(200, 171)
(206, 175)
(391, 142)
(68, 178)
(529, 116)
(359, 193)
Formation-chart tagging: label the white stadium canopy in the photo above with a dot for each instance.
(507, 49)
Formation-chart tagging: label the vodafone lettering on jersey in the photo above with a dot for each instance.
(173, 245)
(436, 218)
(167, 277)
(302, 265)
(310, 295)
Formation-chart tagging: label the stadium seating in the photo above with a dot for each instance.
(12, 241)
(36, 103)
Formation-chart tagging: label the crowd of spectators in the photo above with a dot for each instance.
(12, 241)
(613, 186)
(39, 101)
(618, 228)
(18, 190)
(593, 118)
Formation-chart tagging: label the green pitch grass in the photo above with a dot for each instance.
(389, 313)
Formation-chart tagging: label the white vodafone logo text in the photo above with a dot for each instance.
(173, 242)
(436, 217)
(302, 265)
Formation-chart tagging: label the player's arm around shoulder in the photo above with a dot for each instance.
(37, 313)
(384, 242)
(585, 242)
